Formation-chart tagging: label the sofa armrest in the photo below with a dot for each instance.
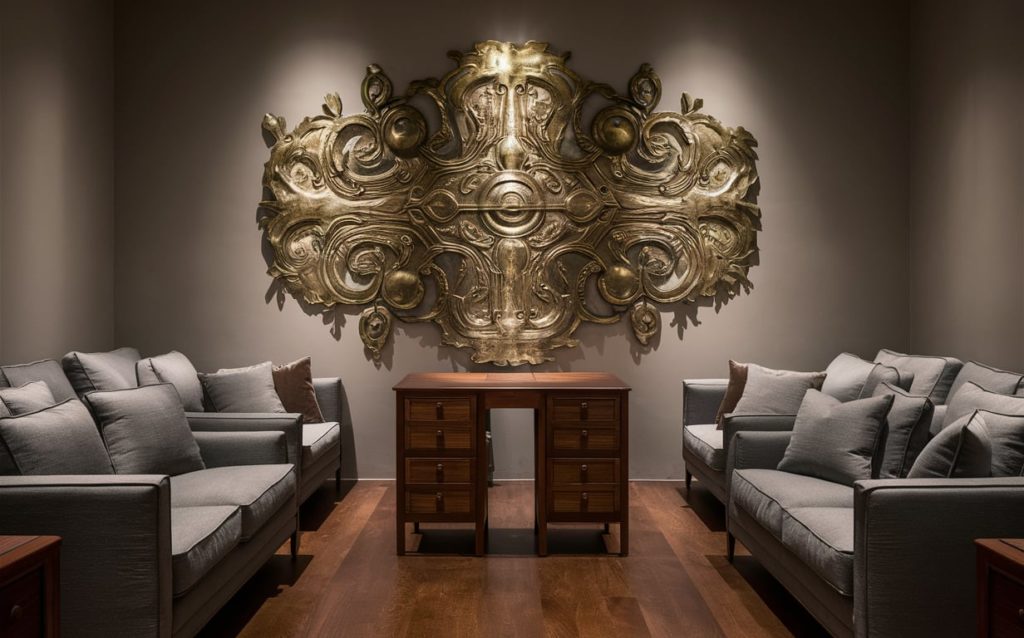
(220, 449)
(290, 424)
(115, 557)
(734, 423)
(757, 450)
(914, 568)
(701, 399)
(329, 397)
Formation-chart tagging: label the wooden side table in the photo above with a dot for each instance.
(29, 586)
(1000, 587)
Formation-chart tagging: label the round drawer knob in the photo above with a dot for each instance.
(583, 468)
(440, 433)
(439, 405)
(440, 497)
(1020, 613)
(584, 496)
(17, 612)
(440, 467)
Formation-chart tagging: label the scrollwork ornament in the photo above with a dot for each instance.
(507, 215)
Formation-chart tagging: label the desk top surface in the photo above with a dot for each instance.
(511, 381)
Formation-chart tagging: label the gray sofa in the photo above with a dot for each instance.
(150, 555)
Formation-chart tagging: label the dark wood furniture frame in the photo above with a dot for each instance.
(581, 435)
(1000, 587)
(29, 586)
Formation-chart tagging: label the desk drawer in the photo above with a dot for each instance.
(438, 471)
(447, 500)
(584, 501)
(21, 606)
(574, 439)
(434, 410)
(584, 471)
(440, 436)
(584, 409)
(1006, 605)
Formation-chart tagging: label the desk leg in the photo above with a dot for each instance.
(400, 526)
(540, 434)
(482, 465)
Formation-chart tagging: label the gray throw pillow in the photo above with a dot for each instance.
(962, 450)
(836, 441)
(176, 369)
(248, 389)
(1006, 433)
(886, 374)
(906, 433)
(91, 371)
(992, 379)
(933, 376)
(769, 391)
(973, 397)
(145, 430)
(846, 375)
(47, 370)
(27, 398)
(61, 439)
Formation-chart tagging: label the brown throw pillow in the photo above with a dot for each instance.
(294, 384)
(733, 392)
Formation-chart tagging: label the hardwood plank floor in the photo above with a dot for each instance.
(675, 582)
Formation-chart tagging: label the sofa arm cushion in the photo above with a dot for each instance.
(757, 450)
(701, 398)
(221, 449)
(914, 569)
(116, 548)
(329, 396)
(290, 424)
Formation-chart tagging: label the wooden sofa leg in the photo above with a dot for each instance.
(295, 545)
(337, 480)
(689, 479)
(730, 546)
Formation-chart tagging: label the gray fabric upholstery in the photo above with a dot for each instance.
(248, 389)
(775, 391)
(1006, 433)
(822, 537)
(318, 440)
(61, 439)
(973, 397)
(3, 380)
(836, 441)
(329, 397)
(908, 422)
(176, 369)
(765, 494)
(221, 449)
(992, 379)
(46, 370)
(938, 419)
(757, 450)
(259, 491)
(882, 373)
(933, 376)
(755, 423)
(145, 430)
(705, 441)
(290, 424)
(30, 397)
(845, 377)
(200, 538)
(701, 398)
(962, 450)
(89, 371)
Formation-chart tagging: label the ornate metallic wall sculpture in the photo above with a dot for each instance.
(516, 202)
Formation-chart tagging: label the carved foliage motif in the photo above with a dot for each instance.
(508, 202)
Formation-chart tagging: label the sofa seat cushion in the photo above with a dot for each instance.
(200, 538)
(318, 440)
(259, 491)
(766, 494)
(706, 442)
(822, 537)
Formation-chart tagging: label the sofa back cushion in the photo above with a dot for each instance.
(248, 389)
(733, 391)
(176, 369)
(962, 450)
(845, 377)
(933, 376)
(906, 432)
(769, 391)
(1006, 432)
(145, 430)
(91, 371)
(836, 441)
(882, 373)
(60, 439)
(46, 370)
(992, 379)
(973, 397)
(294, 385)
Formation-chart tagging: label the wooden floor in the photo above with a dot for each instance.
(675, 582)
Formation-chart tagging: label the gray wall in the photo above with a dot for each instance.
(829, 110)
(967, 181)
(56, 178)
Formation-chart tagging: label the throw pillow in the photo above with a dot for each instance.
(47, 371)
(907, 433)
(733, 391)
(770, 391)
(1006, 431)
(973, 397)
(992, 379)
(294, 384)
(248, 389)
(882, 373)
(933, 375)
(176, 369)
(846, 375)
(90, 371)
(962, 450)
(27, 398)
(61, 439)
(836, 441)
(145, 430)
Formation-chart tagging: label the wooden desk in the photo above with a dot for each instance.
(581, 448)
(29, 586)
(1000, 587)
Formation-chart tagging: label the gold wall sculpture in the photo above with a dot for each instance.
(508, 202)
